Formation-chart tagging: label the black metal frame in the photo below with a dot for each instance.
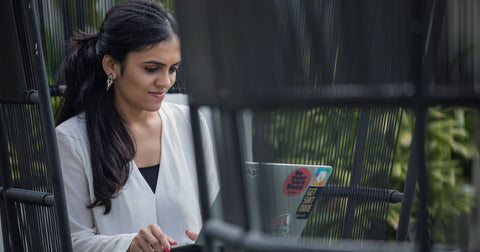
(415, 95)
(25, 15)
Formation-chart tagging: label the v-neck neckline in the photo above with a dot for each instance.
(162, 141)
(150, 174)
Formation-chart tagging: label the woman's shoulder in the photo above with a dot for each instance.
(74, 127)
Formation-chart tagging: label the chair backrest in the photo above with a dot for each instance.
(326, 83)
(33, 209)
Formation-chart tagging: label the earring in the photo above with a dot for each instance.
(109, 81)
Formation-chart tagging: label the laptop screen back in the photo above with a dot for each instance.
(283, 195)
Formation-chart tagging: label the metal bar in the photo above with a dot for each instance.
(409, 188)
(236, 211)
(376, 194)
(27, 196)
(426, 77)
(221, 159)
(257, 241)
(201, 169)
(347, 93)
(80, 15)
(41, 20)
(354, 94)
(356, 171)
(67, 20)
(234, 201)
(423, 236)
(48, 126)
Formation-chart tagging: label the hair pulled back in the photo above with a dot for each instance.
(129, 26)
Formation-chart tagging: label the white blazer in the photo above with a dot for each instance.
(174, 206)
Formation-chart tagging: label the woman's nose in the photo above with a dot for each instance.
(163, 79)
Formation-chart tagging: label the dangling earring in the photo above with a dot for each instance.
(109, 81)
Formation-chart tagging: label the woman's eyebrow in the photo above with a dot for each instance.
(159, 63)
(155, 62)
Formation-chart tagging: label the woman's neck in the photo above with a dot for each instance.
(132, 116)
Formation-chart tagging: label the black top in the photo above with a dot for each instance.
(150, 174)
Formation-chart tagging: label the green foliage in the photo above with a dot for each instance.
(448, 147)
(299, 136)
(316, 136)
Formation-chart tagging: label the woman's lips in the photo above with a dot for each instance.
(158, 95)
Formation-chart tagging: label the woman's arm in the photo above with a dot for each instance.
(77, 194)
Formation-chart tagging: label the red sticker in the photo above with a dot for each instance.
(296, 182)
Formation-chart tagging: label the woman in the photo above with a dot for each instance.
(127, 157)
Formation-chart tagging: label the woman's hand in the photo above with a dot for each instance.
(151, 239)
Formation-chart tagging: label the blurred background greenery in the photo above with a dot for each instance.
(449, 150)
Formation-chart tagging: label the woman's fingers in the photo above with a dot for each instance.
(191, 235)
(140, 243)
(171, 241)
(161, 237)
(151, 238)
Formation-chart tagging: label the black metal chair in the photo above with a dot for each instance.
(344, 87)
(33, 209)
(326, 83)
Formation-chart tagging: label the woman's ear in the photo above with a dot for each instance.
(110, 66)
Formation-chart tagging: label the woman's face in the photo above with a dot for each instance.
(146, 77)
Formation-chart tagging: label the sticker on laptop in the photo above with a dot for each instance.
(280, 226)
(310, 198)
(321, 176)
(296, 181)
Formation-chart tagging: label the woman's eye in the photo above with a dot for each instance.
(173, 70)
(151, 69)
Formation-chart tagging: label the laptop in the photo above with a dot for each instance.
(281, 197)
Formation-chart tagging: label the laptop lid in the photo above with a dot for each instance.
(283, 196)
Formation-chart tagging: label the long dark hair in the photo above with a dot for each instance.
(129, 26)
